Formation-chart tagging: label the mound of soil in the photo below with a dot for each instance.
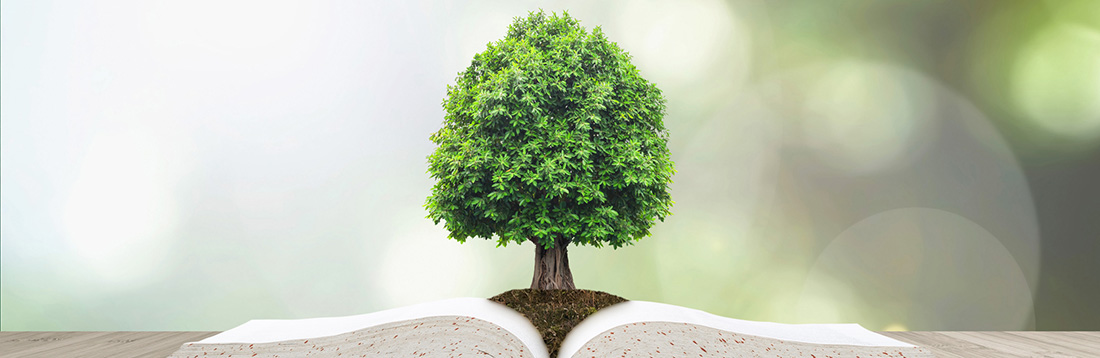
(556, 312)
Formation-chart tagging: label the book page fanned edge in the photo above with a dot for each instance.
(267, 330)
(642, 311)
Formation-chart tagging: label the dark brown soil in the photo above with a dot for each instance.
(556, 312)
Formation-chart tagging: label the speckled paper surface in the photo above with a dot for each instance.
(440, 336)
(677, 339)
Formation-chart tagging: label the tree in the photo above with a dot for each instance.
(551, 136)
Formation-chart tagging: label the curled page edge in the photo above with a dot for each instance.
(271, 330)
(642, 311)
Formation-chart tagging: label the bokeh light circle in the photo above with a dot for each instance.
(1056, 82)
(680, 42)
(699, 52)
(725, 173)
(856, 117)
(927, 267)
(753, 245)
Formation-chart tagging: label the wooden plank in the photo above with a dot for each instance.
(1091, 337)
(1004, 344)
(55, 344)
(94, 344)
(945, 346)
(11, 342)
(999, 341)
(931, 340)
(1032, 344)
(1059, 342)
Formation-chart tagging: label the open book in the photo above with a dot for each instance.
(476, 327)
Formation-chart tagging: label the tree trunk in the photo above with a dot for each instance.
(552, 267)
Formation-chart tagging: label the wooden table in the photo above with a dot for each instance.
(161, 344)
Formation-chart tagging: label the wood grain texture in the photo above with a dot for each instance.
(161, 344)
(1005, 344)
(94, 344)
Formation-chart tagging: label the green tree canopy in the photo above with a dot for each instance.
(551, 133)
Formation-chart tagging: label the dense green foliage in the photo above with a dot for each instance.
(551, 134)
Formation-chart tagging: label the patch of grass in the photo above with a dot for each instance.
(556, 312)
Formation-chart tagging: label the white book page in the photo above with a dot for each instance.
(269, 330)
(641, 311)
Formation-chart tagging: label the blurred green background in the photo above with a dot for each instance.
(920, 165)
